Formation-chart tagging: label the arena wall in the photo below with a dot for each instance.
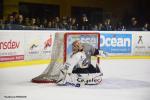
(29, 47)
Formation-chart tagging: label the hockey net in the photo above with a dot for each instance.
(61, 49)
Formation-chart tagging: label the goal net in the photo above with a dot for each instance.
(61, 49)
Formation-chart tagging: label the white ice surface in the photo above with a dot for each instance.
(122, 80)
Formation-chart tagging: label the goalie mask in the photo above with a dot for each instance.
(77, 46)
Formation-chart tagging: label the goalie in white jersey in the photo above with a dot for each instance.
(79, 65)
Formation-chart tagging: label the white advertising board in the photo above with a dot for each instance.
(141, 43)
(11, 46)
(38, 45)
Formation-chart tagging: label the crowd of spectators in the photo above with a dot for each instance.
(17, 21)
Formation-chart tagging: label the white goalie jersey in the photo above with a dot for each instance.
(76, 61)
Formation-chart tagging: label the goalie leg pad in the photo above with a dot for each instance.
(90, 79)
(69, 80)
(78, 80)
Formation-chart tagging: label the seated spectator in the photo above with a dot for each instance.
(107, 25)
(27, 22)
(120, 27)
(73, 24)
(34, 24)
(100, 27)
(64, 24)
(15, 16)
(146, 27)
(69, 22)
(49, 24)
(2, 25)
(95, 27)
(84, 24)
(134, 26)
(10, 20)
(19, 20)
(42, 23)
(56, 23)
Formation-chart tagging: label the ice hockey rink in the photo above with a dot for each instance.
(124, 79)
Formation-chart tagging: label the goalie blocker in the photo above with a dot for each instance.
(83, 79)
